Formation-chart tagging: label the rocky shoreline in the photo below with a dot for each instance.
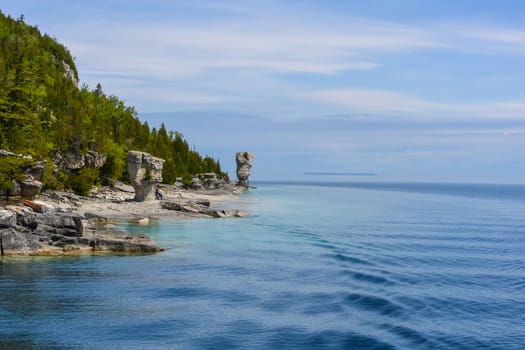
(62, 223)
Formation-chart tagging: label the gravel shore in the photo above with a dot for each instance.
(112, 204)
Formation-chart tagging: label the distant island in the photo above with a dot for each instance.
(339, 173)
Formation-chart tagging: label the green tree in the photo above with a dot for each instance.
(43, 110)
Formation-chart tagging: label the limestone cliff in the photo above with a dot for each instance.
(72, 161)
(145, 172)
(244, 164)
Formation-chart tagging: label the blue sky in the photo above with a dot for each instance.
(411, 90)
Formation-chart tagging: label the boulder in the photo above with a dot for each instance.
(202, 208)
(143, 221)
(145, 172)
(7, 218)
(121, 242)
(244, 162)
(15, 242)
(36, 171)
(179, 206)
(234, 213)
(29, 189)
(39, 207)
(196, 183)
(66, 224)
(123, 187)
(26, 217)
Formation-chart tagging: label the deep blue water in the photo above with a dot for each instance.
(342, 266)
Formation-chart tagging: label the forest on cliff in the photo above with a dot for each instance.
(43, 111)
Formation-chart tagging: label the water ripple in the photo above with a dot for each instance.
(374, 303)
(336, 267)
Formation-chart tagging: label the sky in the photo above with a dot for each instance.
(409, 90)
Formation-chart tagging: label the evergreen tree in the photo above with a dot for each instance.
(42, 110)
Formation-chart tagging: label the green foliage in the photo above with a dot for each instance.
(12, 169)
(115, 163)
(187, 179)
(42, 110)
(169, 171)
(53, 181)
(83, 181)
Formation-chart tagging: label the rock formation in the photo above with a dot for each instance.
(201, 208)
(244, 164)
(72, 160)
(145, 172)
(33, 177)
(38, 228)
(196, 183)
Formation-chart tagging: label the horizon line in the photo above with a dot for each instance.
(339, 173)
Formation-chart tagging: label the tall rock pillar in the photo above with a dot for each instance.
(145, 172)
(244, 164)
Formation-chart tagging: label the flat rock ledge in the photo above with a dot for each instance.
(201, 208)
(27, 232)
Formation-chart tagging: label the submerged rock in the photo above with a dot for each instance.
(202, 208)
(121, 242)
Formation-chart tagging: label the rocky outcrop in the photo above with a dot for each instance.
(25, 231)
(30, 188)
(196, 183)
(7, 218)
(145, 172)
(95, 160)
(69, 73)
(33, 177)
(202, 208)
(72, 161)
(244, 164)
(205, 182)
(120, 242)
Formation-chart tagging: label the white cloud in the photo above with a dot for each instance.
(222, 59)
(275, 42)
(496, 34)
(394, 104)
(285, 44)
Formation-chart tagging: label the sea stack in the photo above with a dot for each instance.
(244, 164)
(145, 172)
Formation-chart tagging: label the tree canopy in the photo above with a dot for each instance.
(43, 110)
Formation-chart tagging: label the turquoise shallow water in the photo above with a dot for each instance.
(356, 266)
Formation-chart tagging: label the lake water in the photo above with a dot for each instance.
(342, 266)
